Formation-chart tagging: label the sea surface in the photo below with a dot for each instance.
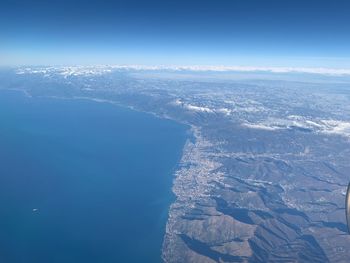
(82, 181)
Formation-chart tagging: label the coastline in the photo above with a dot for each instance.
(179, 196)
(192, 186)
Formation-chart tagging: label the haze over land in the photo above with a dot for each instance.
(264, 176)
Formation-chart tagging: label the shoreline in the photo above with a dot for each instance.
(192, 137)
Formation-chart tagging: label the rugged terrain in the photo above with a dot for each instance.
(264, 172)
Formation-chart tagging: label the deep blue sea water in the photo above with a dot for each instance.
(83, 182)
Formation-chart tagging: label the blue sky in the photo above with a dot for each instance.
(296, 33)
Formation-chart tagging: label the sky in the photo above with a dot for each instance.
(278, 33)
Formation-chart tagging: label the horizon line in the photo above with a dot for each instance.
(199, 68)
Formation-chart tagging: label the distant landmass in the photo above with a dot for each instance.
(264, 171)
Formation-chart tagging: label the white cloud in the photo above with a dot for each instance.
(101, 69)
(330, 127)
(197, 108)
(336, 127)
(322, 71)
(260, 126)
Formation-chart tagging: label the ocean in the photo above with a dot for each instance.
(82, 181)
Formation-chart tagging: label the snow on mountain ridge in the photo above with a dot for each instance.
(100, 69)
(331, 127)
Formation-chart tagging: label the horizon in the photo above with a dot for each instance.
(200, 68)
